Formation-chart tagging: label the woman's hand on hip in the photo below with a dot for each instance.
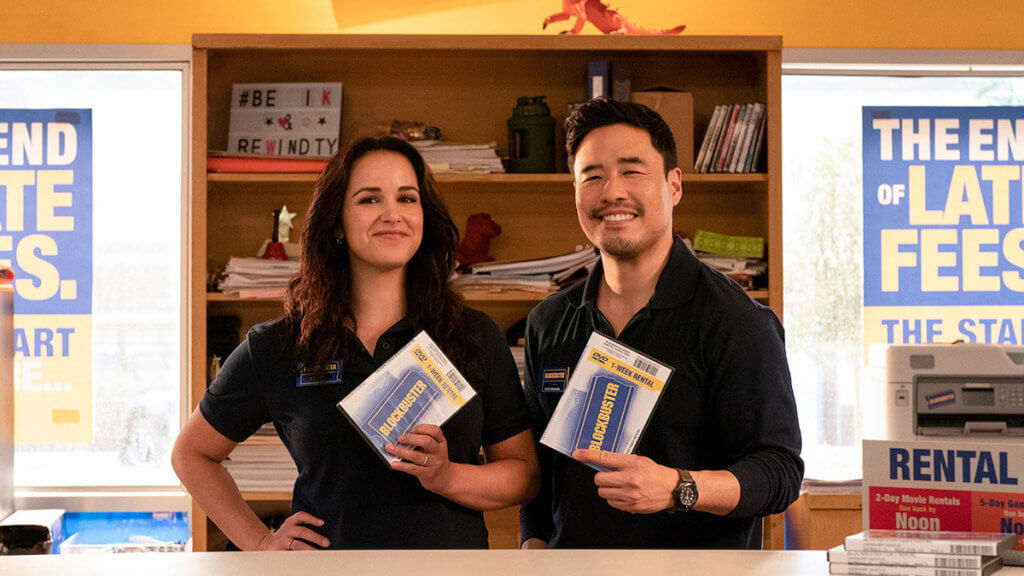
(294, 535)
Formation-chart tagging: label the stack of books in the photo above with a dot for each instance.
(262, 463)
(738, 257)
(257, 278)
(454, 158)
(734, 141)
(543, 275)
(915, 553)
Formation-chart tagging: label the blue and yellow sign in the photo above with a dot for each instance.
(943, 224)
(46, 236)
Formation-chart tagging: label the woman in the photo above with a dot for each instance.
(377, 251)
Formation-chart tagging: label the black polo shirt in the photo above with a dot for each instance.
(728, 405)
(341, 479)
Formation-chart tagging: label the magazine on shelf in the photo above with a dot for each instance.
(608, 400)
(418, 385)
(549, 265)
(709, 136)
(840, 555)
(982, 543)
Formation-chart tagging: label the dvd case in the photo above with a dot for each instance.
(840, 555)
(981, 543)
(418, 385)
(608, 401)
(990, 565)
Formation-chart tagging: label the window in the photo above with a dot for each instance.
(836, 378)
(103, 411)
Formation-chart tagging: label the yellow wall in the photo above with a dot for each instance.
(988, 24)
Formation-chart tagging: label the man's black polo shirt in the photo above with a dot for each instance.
(729, 405)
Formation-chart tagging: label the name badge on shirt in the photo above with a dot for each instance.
(330, 374)
(554, 379)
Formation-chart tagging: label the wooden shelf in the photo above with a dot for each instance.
(279, 177)
(468, 85)
(222, 297)
(756, 177)
(489, 43)
(262, 177)
(471, 296)
(821, 521)
(262, 496)
(511, 296)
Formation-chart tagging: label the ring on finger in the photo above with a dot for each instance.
(426, 458)
(290, 542)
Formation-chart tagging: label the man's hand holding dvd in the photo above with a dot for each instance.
(608, 401)
(400, 407)
(601, 416)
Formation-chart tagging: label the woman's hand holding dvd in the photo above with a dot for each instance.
(424, 454)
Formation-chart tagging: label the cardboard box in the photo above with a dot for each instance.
(677, 110)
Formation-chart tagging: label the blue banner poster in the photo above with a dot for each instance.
(943, 225)
(46, 237)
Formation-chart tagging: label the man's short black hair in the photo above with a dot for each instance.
(601, 112)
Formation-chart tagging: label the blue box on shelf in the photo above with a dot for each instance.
(118, 532)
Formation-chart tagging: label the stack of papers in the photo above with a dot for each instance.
(747, 272)
(262, 463)
(543, 275)
(455, 158)
(731, 266)
(257, 278)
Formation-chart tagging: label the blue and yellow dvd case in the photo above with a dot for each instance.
(418, 385)
(608, 401)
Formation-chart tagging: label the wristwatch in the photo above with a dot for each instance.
(684, 496)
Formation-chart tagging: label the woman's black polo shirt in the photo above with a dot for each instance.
(341, 479)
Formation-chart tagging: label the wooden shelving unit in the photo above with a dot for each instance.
(467, 85)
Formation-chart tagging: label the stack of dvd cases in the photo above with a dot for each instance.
(914, 553)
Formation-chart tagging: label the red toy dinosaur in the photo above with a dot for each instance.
(602, 17)
(476, 244)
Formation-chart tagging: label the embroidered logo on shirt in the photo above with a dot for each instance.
(330, 374)
(554, 379)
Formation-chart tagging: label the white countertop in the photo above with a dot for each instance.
(432, 563)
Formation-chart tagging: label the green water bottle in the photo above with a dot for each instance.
(531, 137)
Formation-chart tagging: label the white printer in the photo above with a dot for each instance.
(954, 391)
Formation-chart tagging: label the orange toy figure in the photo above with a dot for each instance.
(602, 17)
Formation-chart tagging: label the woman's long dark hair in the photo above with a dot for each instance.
(318, 303)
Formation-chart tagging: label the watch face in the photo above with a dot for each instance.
(686, 495)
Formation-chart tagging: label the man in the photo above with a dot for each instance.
(722, 447)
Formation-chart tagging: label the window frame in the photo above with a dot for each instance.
(899, 63)
(124, 57)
